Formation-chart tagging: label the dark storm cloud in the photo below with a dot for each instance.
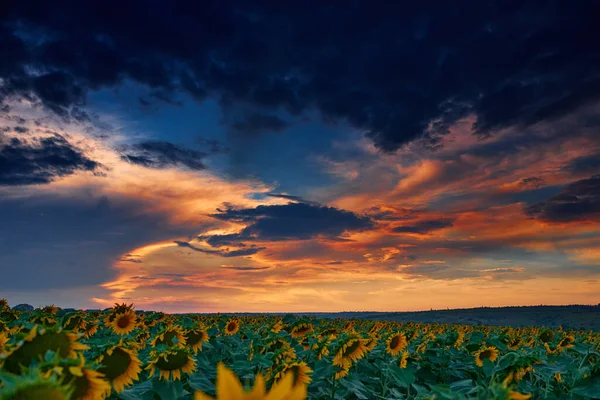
(395, 70)
(289, 222)
(426, 226)
(579, 201)
(156, 154)
(257, 123)
(223, 253)
(40, 161)
(584, 165)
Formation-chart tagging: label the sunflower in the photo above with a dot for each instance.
(120, 365)
(278, 326)
(117, 309)
(74, 322)
(124, 322)
(51, 309)
(352, 350)
(232, 327)
(515, 343)
(513, 395)
(90, 330)
(230, 388)
(171, 363)
(171, 336)
(344, 369)
(566, 342)
(3, 340)
(396, 343)
(194, 339)
(300, 371)
(558, 377)
(547, 335)
(490, 353)
(35, 345)
(3, 304)
(370, 343)
(403, 359)
(301, 330)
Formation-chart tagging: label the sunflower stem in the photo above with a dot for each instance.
(333, 388)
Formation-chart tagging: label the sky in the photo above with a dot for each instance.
(259, 156)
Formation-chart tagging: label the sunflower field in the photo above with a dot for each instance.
(119, 353)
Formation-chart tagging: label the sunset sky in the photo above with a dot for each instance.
(328, 156)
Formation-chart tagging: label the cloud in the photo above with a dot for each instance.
(418, 73)
(288, 222)
(435, 271)
(533, 182)
(509, 270)
(426, 226)
(223, 253)
(257, 123)
(41, 160)
(584, 165)
(294, 198)
(579, 201)
(157, 154)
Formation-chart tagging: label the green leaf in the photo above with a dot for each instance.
(588, 387)
(169, 390)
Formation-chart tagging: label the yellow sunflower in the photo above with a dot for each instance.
(566, 342)
(35, 345)
(300, 371)
(194, 339)
(396, 343)
(3, 340)
(353, 350)
(124, 322)
(490, 353)
(3, 304)
(344, 368)
(74, 322)
(171, 336)
(301, 330)
(90, 330)
(370, 343)
(230, 388)
(171, 363)
(120, 366)
(51, 309)
(403, 360)
(232, 327)
(277, 327)
(513, 395)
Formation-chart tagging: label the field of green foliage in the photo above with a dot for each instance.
(119, 353)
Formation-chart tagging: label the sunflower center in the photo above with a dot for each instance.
(352, 347)
(395, 342)
(123, 322)
(485, 354)
(173, 361)
(231, 326)
(116, 364)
